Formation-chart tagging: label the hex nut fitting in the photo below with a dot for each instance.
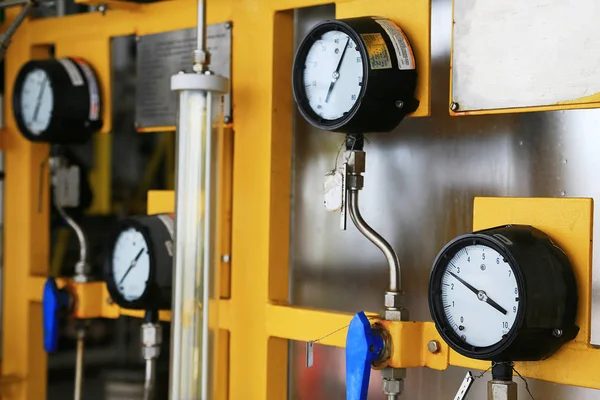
(357, 161)
(393, 373)
(392, 386)
(151, 335)
(394, 300)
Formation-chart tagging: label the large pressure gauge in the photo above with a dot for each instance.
(504, 294)
(57, 101)
(139, 264)
(355, 75)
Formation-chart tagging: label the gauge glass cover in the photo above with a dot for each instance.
(333, 75)
(37, 101)
(480, 295)
(131, 264)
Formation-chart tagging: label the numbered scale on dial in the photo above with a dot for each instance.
(139, 263)
(57, 101)
(355, 75)
(504, 294)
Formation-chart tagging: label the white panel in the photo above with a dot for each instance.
(521, 53)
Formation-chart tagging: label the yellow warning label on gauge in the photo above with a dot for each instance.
(379, 56)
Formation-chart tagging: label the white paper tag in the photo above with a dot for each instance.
(72, 71)
(93, 89)
(333, 187)
(67, 186)
(406, 58)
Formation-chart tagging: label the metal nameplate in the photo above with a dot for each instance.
(162, 55)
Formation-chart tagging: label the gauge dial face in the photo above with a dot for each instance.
(333, 75)
(131, 264)
(480, 295)
(37, 101)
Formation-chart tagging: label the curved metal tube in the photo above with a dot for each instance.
(377, 240)
(75, 226)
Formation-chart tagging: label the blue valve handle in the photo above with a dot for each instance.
(54, 301)
(363, 346)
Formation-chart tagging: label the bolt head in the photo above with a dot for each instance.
(399, 104)
(454, 106)
(433, 346)
(557, 332)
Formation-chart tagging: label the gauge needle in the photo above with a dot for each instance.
(131, 266)
(336, 73)
(39, 100)
(481, 295)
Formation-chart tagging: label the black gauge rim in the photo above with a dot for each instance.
(298, 73)
(18, 93)
(109, 277)
(435, 299)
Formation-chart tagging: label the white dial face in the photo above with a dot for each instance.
(333, 75)
(131, 264)
(37, 101)
(480, 295)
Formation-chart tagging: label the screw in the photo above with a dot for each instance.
(109, 301)
(228, 25)
(227, 119)
(102, 8)
(454, 106)
(433, 346)
(482, 267)
(557, 332)
(399, 104)
(226, 258)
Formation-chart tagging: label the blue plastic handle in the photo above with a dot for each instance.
(54, 301)
(363, 346)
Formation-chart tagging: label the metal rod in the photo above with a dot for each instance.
(6, 4)
(75, 226)
(6, 38)
(79, 363)
(201, 39)
(150, 379)
(377, 240)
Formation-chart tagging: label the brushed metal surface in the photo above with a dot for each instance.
(511, 53)
(161, 55)
(420, 182)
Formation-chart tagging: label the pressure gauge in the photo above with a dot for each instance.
(504, 294)
(355, 75)
(57, 101)
(139, 264)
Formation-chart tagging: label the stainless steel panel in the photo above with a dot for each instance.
(162, 55)
(419, 188)
(515, 53)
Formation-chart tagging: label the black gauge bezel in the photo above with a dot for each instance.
(435, 297)
(155, 295)
(70, 121)
(299, 90)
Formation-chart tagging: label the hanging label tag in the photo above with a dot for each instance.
(465, 386)
(310, 354)
(332, 190)
(67, 186)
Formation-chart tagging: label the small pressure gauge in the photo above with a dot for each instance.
(504, 294)
(355, 75)
(57, 101)
(139, 263)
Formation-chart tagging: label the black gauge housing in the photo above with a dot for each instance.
(157, 231)
(547, 294)
(77, 105)
(387, 94)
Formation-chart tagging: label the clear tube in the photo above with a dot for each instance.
(195, 309)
